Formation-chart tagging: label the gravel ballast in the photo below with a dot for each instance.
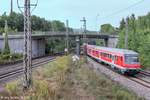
(121, 80)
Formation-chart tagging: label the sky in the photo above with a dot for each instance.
(96, 12)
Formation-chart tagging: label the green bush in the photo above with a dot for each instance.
(5, 57)
(123, 95)
(9, 57)
(16, 56)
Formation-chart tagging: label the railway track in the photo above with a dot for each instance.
(142, 78)
(140, 81)
(19, 71)
(145, 73)
(19, 65)
(8, 72)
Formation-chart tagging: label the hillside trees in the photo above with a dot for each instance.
(138, 36)
(16, 23)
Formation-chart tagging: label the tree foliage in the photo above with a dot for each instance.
(108, 28)
(138, 36)
(16, 23)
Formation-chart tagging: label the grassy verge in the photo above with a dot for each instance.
(101, 87)
(66, 80)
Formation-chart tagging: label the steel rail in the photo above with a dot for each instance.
(20, 70)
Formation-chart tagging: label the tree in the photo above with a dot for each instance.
(16, 23)
(122, 24)
(6, 45)
(58, 26)
(138, 37)
(107, 28)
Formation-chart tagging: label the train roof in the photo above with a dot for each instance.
(122, 51)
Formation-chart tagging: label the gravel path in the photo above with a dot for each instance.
(123, 81)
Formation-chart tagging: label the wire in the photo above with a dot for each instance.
(35, 5)
(124, 9)
(19, 6)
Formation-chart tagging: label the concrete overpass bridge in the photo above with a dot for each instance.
(39, 40)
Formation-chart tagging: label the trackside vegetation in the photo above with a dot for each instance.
(67, 80)
(138, 36)
(5, 55)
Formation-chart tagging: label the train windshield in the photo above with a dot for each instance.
(131, 59)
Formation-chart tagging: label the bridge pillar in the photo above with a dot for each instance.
(106, 42)
(77, 45)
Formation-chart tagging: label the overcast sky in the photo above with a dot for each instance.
(95, 11)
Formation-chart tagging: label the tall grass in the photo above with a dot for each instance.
(47, 81)
(101, 87)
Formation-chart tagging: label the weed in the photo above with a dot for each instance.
(12, 88)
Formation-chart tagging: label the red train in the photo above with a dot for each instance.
(126, 61)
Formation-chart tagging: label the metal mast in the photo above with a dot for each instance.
(11, 10)
(84, 29)
(27, 56)
(84, 36)
(126, 34)
(67, 36)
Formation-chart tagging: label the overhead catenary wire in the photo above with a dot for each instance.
(33, 5)
(124, 9)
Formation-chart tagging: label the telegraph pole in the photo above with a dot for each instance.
(67, 37)
(126, 34)
(84, 37)
(27, 56)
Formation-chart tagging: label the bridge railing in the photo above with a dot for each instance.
(56, 33)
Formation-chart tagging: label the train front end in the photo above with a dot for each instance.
(132, 63)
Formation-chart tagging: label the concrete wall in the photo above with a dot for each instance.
(112, 42)
(38, 47)
(17, 45)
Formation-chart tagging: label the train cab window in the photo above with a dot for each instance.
(131, 59)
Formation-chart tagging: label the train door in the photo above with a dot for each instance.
(113, 61)
(121, 61)
(97, 53)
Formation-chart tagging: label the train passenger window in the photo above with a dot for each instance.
(110, 56)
